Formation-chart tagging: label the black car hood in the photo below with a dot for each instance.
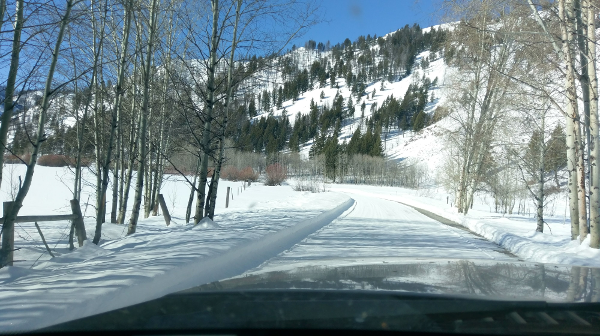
(393, 294)
(496, 280)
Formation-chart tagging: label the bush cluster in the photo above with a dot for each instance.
(52, 160)
(231, 173)
(276, 174)
(13, 159)
(313, 184)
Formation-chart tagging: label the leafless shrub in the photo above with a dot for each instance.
(313, 184)
(52, 160)
(231, 173)
(276, 174)
(13, 159)
(248, 174)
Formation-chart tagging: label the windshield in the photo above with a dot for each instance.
(157, 147)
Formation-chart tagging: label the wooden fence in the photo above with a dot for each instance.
(8, 233)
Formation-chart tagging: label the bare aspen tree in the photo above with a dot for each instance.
(97, 42)
(188, 211)
(162, 124)
(99, 107)
(133, 141)
(532, 163)
(214, 185)
(104, 172)
(148, 160)
(584, 82)
(146, 74)
(590, 11)
(2, 11)
(133, 135)
(210, 103)
(116, 109)
(11, 215)
(76, 182)
(479, 98)
(9, 90)
(579, 126)
(575, 164)
(540, 195)
(572, 121)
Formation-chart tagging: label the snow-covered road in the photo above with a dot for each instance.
(378, 230)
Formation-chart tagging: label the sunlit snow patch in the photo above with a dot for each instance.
(207, 223)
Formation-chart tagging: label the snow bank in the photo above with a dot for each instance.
(259, 223)
(206, 223)
(514, 233)
(142, 270)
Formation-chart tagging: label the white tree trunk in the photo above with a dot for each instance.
(594, 128)
(210, 102)
(116, 113)
(135, 213)
(571, 122)
(114, 122)
(217, 174)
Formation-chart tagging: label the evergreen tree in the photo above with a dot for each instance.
(331, 150)
(350, 108)
(266, 101)
(294, 143)
(355, 143)
(317, 147)
(280, 98)
(332, 80)
(271, 145)
(252, 108)
(376, 146)
(420, 121)
(556, 149)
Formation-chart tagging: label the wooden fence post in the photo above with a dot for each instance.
(227, 200)
(163, 206)
(8, 239)
(78, 222)
(43, 239)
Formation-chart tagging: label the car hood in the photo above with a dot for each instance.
(496, 280)
(373, 294)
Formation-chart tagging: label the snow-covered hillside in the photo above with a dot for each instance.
(417, 147)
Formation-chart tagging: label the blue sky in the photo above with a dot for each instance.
(352, 18)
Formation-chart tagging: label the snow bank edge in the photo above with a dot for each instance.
(205, 270)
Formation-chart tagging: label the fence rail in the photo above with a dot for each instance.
(53, 218)
(8, 230)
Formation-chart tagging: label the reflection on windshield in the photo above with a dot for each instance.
(496, 280)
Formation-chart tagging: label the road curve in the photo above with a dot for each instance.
(380, 229)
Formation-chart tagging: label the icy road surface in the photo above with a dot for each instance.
(378, 230)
